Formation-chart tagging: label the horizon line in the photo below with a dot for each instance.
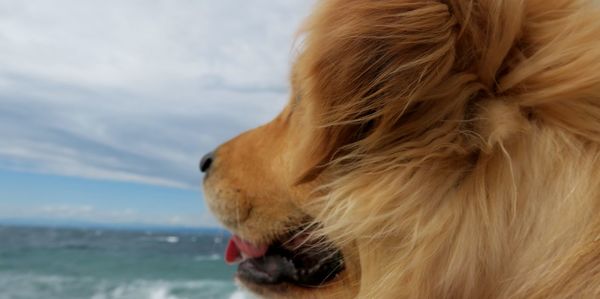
(72, 223)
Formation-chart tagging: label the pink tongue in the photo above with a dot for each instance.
(238, 248)
(232, 253)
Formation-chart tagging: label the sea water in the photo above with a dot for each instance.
(59, 263)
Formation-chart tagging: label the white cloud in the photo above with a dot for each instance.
(137, 90)
(124, 43)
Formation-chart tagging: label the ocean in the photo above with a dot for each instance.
(65, 263)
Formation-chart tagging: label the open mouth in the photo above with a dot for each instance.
(294, 259)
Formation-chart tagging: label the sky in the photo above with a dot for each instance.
(107, 106)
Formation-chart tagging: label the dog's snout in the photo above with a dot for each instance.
(206, 162)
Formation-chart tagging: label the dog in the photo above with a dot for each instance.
(429, 149)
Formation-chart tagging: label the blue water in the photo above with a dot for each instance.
(53, 263)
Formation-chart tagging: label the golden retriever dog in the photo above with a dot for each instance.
(430, 149)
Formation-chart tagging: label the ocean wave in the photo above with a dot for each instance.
(167, 290)
(204, 258)
(241, 294)
(168, 239)
(31, 285)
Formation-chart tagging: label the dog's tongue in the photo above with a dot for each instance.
(238, 249)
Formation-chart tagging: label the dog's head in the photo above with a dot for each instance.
(394, 106)
(260, 185)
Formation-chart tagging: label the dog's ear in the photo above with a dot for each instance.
(537, 58)
(366, 65)
(401, 75)
(366, 58)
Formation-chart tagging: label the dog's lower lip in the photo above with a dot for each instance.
(268, 270)
(293, 261)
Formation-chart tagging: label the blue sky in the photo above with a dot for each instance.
(106, 106)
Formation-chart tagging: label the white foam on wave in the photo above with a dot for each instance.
(172, 239)
(241, 294)
(149, 289)
(203, 258)
(161, 293)
(162, 239)
(30, 285)
(137, 291)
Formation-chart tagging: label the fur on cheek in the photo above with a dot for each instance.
(459, 141)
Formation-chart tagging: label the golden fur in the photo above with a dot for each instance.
(450, 148)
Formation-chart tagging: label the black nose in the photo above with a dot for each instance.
(206, 161)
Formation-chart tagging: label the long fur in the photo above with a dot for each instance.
(460, 142)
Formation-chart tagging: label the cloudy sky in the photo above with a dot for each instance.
(106, 106)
